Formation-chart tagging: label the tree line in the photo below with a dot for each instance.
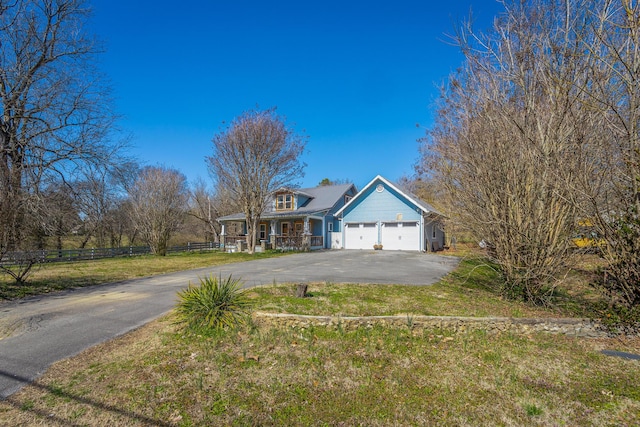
(63, 163)
(539, 131)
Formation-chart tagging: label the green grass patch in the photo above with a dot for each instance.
(471, 290)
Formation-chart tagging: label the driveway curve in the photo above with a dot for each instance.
(36, 332)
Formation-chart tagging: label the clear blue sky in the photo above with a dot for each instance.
(355, 76)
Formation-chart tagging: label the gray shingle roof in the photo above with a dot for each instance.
(322, 199)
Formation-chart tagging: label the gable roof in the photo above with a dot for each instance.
(322, 198)
(425, 207)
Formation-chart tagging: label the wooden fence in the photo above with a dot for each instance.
(70, 255)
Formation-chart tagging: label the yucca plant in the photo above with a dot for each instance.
(213, 305)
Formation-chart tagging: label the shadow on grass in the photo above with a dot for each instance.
(477, 273)
(11, 291)
(51, 417)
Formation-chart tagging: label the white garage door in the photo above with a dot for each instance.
(400, 236)
(360, 236)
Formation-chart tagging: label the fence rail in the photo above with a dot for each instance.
(70, 255)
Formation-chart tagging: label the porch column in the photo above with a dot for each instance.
(222, 235)
(272, 233)
(306, 236)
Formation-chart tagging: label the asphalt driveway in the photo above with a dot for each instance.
(36, 332)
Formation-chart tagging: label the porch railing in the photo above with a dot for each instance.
(233, 240)
(297, 242)
(289, 242)
(282, 242)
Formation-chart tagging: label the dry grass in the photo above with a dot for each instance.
(54, 277)
(159, 376)
(162, 376)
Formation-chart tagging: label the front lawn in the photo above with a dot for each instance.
(260, 375)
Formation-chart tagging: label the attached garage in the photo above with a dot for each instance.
(361, 235)
(400, 236)
(384, 214)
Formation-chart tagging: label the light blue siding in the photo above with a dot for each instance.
(374, 206)
(330, 219)
(316, 227)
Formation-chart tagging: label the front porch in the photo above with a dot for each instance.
(284, 233)
(285, 243)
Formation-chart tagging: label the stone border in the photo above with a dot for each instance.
(566, 326)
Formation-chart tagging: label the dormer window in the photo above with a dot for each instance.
(284, 202)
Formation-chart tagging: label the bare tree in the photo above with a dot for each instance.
(58, 214)
(252, 158)
(54, 108)
(508, 139)
(158, 205)
(99, 194)
(613, 195)
(207, 205)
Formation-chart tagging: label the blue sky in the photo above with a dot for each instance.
(355, 76)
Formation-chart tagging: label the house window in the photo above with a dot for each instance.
(347, 198)
(234, 229)
(298, 228)
(284, 228)
(330, 226)
(433, 235)
(284, 202)
(263, 231)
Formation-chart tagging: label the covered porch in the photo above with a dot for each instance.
(290, 233)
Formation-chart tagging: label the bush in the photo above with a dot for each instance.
(214, 305)
(621, 277)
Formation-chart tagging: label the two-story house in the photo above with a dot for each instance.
(382, 215)
(294, 218)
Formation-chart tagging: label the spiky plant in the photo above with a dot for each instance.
(213, 305)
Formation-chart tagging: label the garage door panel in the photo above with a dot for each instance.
(360, 236)
(401, 236)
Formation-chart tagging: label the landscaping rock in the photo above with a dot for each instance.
(572, 327)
